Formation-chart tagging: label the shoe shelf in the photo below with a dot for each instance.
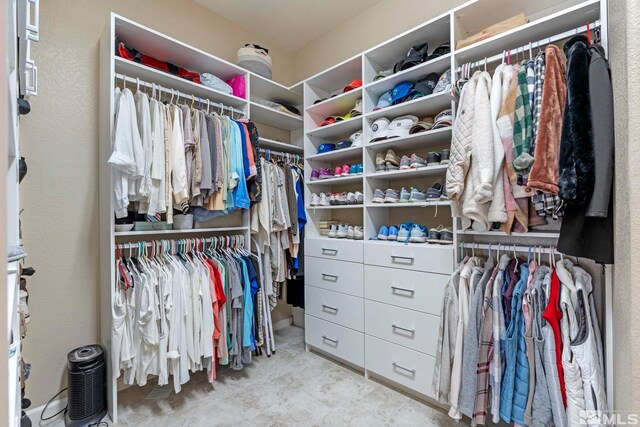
(334, 207)
(335, 155)
(427, 105)
(496, 233)
(410, 204)
(432, 138)
(416, 172)
(338, 180)
(338, 129)
(427, 245)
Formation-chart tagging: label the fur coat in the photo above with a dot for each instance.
(577, 162)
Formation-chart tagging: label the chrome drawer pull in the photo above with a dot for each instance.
(328, 307)
(324, 337)
(411, 331)
(334, 251)
(331, 276)
(408, 258)
(397, 288)
(395, 365)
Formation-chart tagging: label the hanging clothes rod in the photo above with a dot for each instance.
(223, 241)
(506, 247)
(266, 152)
(530, 45)
(187, 96)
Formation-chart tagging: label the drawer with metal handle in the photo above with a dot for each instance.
(342, 309)
(412, 329)
(338, 276)
(416, 290)
(343, 250)
(336, 340)
(429, 258)
(404, 366)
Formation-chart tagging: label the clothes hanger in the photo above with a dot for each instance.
(515, 255)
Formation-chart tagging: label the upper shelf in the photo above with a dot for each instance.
(426, 106)
(337, 105)
(333, 80)
(338, 129)
(264, 88)
(535, 30)
(152, 75)
(274, 118)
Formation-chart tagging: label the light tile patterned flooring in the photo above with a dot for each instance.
(291, 388)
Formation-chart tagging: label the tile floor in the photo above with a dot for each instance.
(292, 388)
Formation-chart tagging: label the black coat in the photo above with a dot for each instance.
(587, 135)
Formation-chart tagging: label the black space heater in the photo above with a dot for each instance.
(86, 394)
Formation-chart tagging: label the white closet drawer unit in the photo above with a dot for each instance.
(339, 276)
(409, 289)
(431, 258)
(334, 339)
(340, 249)
(402, 365)
(418, 331)
(345, 310)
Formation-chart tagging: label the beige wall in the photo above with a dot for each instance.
(60, 137)
(375, 25)
(624, 36)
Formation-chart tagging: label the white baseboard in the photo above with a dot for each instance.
(55, 406)
(281, 324)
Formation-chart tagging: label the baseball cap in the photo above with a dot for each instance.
(329, 121)
(353, 84)
(325, 148)
(443, 119)
(345, 143)
(401, 91)
(443, 82)
(401, 126)
(356, 138)
(380, 129)
(357, 109)
(384, 101)
(426, 85)
(424, 124)
(382, 74)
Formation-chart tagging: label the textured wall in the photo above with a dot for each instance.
(624, 36)
(373, 26)
(60, 137)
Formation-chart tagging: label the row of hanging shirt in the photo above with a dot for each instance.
(185, 308)
(522, 340)
(168, 156)
(277, 223)
(522, 136)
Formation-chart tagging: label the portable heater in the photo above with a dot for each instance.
(86, 394)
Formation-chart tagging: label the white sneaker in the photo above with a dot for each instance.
(359, 198)
(333, 231)
(343, 231)
(350, 232)
(358, 233)
(323, 200)
(314, 200)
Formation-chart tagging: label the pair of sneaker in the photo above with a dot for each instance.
(407, 232)
(346, 170)
(441, 235)
(346, 231)
(442, 158)
(333, 199)
(322, 173)
(387, 162)
(388, 196)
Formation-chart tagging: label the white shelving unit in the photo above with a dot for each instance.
(382, 264)
(271, 124)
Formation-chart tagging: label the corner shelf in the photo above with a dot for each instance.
(345, 153)
(339, 104)
(338, 129)
(266, 143)
(268, 116)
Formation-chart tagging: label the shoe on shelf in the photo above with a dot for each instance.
(393, 233)
(359, 198)
(391, 196)
(338, 171)
(359, 169)
(434, 235)
(446, 236)
(391, 158)
(350, 234)
(346, 170)
(383, 234)
(331, 198)
(444, 156)
(351, 198)
(435, 192)
(404, 195)
(341, 199)
(342, 231)
(419, 234)
(358, 232)
(326, 173)
(323, 200)
(315, 199)
(404, 232)
(333, 231)
(417, 196)
(433, 158)
(444, 194)
(315, 175)
(417, 161)
(378, 196)
(381, 164)
(405, 163)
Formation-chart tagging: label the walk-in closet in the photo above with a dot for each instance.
(372, 213)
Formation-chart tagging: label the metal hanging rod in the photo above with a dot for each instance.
(225, 241)
(187, 96)
(507, 247)
(530, 45)
(266, 152)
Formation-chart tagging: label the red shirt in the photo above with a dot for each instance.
(552, 314)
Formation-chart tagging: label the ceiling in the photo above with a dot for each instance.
(289, 24)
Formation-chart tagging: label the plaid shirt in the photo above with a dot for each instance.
(522, 126)
(548, 205)
(539, 71)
